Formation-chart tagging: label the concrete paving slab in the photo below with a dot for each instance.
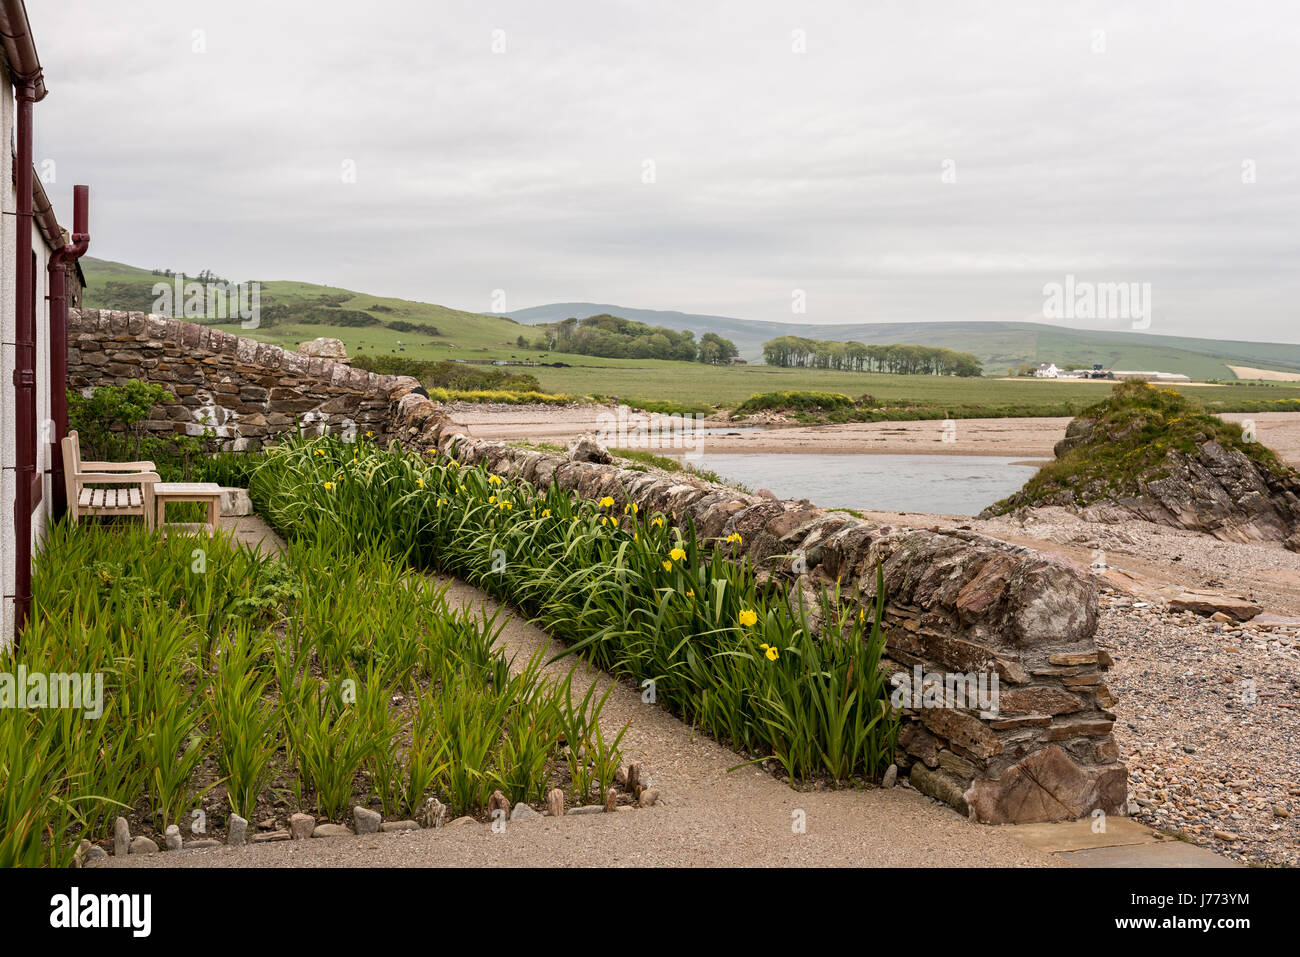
(1168, 853)
(1079, 835)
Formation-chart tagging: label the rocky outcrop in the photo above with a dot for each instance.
(1215, 490)
(1155, 456)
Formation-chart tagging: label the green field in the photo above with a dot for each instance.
(474, 336)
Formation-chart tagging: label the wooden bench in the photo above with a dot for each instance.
(86, 500)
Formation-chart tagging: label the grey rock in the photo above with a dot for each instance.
(235, 502)
(522, 812)
(199, 845)
(143, 845)
(172, 837)
(366, 820)
(301, 825)
(891, 776)
(389, 826)
(121, 837)
(587, 449)
(587, 809)
(236, 830)
(331, 830)
(648, 798)
(462, 820)
(267, 837)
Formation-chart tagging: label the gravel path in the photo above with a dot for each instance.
(704, 817)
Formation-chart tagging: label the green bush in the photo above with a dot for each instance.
(795, 401)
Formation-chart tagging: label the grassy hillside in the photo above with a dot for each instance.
(464, 335)
(478, 337)
(1001, 346)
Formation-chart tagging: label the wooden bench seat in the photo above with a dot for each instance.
(85, 498)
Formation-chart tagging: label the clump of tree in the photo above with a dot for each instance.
(612, 337)
(797, 352)
(715, 350)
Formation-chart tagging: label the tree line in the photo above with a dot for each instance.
(796, 352)
(612, 337)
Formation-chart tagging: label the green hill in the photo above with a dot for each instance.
(311, 311)
(1001, 346)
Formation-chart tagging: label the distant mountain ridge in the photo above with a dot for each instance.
(1001, 346)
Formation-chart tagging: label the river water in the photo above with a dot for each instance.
(947, 484)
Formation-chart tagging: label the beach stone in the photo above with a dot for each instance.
(890, 777)
(199, 845)
(267, 837)
(648, 798)
(143, 845)
(462, 820)
(331, 830)
(388, 827)
(498, 802)
(366, 820)
(93, 854)
(522, 812)
(121, 837)
(236, 830)
(555, 802)
(301, 826)
(587, 809)
(172, 837)
(611, 799)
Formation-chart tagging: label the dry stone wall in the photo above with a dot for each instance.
(957, 604)
(245, 392)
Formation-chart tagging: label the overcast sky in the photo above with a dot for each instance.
(508, 146)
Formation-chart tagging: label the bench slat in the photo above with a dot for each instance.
(97, 498)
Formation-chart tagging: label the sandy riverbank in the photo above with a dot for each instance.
(1027, 438)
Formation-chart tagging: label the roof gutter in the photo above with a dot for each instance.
(20, 48)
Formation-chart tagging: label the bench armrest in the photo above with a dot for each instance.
(119, 466)
(120, 478)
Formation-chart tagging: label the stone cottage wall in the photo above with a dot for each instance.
(956, 603)
(245, 392)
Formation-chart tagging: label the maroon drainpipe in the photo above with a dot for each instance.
(60, 265)
(24, 365)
